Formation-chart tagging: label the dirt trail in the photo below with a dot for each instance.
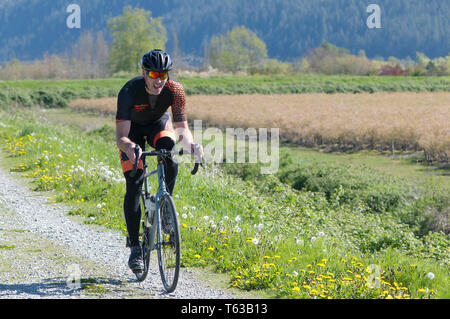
(46, 254)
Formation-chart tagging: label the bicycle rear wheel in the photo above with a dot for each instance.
(140, 276)
(170, 249)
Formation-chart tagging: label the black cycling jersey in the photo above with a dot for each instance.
(136, 105)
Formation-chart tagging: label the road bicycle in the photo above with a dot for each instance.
(160, 230)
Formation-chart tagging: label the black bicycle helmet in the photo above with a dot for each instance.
(157, 60)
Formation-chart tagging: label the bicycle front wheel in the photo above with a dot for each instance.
(170, 248)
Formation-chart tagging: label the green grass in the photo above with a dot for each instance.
(264, 233)
(72, 84)
(222, 84)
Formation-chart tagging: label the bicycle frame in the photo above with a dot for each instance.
(161, 192)
(154, 227)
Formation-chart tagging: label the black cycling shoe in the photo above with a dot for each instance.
(136, 262)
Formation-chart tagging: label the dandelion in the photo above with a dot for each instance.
(321, 234)
(237, 219)
(430, 275)
(296, 289)
(206, 217)
(259, 227)
(255, 241)
(184, 216)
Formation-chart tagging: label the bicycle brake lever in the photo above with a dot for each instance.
(135, 164)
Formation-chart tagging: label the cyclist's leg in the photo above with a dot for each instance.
(163, 137)
(131, 203)
(170, 166)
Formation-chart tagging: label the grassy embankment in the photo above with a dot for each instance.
(327, 231)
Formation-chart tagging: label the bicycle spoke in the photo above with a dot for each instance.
(169, 252)
(144, 240)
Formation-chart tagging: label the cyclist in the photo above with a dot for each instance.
(142, 106)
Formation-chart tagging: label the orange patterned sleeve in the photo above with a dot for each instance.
(179, 101)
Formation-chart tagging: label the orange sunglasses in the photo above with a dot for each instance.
(155, 75)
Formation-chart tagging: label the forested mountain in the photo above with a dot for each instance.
(29, 28)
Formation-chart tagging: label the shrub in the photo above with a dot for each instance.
(50, 98)
(393, 70)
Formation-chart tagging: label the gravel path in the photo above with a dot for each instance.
(45, 254)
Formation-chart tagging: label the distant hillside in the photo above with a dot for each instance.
(29, 28)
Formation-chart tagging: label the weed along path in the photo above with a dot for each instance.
(44, 253)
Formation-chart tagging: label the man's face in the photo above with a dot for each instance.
(154, 86)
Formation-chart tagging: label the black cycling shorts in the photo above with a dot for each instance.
(152, 132)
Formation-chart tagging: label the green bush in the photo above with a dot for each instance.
(50, 98)
(106, 132)
(361, 190)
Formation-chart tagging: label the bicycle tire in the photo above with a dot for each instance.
(169, 252)
(146, 251)
(140, 276)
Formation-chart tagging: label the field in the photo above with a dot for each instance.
(212, 84)
(340, 122)
(320, 227)
(400, 121)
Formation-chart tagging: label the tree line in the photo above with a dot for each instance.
(238, 50)
(289, 28)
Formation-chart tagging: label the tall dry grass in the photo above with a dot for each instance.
(105, 105)
(401, 120)
(384, 121)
